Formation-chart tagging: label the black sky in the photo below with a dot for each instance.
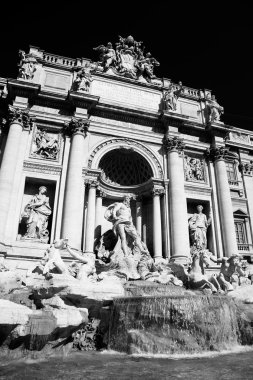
(200, 43)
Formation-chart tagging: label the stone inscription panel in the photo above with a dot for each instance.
(190, 109)
(59, 82)
(126, 95)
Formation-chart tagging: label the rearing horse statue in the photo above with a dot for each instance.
(195, 277)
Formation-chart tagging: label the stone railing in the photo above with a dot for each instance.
(244, 248)
(233, 182)
(55, 59)
(188, 91)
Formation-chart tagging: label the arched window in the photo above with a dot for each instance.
(125, 167)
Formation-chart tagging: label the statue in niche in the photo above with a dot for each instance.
(171, 96)
(194, 169)
(35, 215)
(83, 79)
(119, 213)
(198, 225)
(27, 65)
(214, 109)
(46, 146)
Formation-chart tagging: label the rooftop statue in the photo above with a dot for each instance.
(214, 109)
(171, 96)
(83, 79)
(127, 59)
(27, 65)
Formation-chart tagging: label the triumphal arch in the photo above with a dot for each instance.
(79, 135)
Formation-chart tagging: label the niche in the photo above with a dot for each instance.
(192, 209)
(36, 212)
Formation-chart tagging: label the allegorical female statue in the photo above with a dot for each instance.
(198, 224)
(36, 214)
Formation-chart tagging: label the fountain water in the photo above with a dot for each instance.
(173, 324)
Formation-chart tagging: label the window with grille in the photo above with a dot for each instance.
(240, 232)
(231, 172)
(125, 167)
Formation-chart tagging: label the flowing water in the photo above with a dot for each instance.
(113, 366)
(173, 324)
(178, 336)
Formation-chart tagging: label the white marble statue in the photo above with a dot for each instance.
(36, 214)
(198, 225)
(214, 109)
(119, 213)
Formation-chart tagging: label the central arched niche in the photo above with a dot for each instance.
(125, 167)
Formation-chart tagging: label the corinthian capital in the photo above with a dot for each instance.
(246, 168)
(216, 153)
(157, 191)
(75, 125)
(173, 143)
(16, 115)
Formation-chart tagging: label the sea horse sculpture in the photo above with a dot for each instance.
(196, 278)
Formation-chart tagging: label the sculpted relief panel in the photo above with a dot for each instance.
(194, 169)
(45, 145)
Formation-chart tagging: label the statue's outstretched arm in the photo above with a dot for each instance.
(76, 255)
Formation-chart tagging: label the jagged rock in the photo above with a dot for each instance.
(243, 293)
(13, 314)
(10, 280)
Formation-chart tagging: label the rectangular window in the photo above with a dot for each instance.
(240, 232)
(231, 172)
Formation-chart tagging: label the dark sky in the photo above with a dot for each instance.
(200, 43)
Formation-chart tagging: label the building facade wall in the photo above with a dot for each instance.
(189, 157)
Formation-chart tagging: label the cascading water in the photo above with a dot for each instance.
(173, 324)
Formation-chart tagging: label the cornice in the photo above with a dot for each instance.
(42, 168)
(18, 87)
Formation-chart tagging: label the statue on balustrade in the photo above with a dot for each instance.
(46, 146)
(198, 225)
(214, 109)
(27, 65)
(171, 96)
(83, 79)
(35, 215)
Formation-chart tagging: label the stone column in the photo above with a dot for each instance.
(218, 154)
(139, 216)
(180, 247)
(18, 120)
(73, 202)
(246, 168)
(99, 216)
(157, 224)
(91, 215)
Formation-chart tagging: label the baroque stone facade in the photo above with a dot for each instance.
(87, 134)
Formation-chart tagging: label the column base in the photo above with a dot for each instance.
(159, 259)
(184, 260)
